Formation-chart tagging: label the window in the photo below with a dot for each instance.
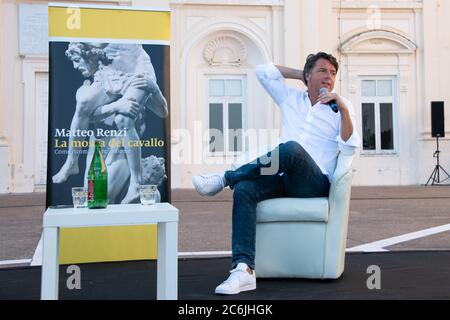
(226, 100)
(377, 111)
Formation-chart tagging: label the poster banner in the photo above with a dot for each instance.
(109, 81)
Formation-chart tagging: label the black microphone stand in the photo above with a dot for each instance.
(437, 169)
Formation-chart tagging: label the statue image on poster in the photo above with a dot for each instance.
(112, 104)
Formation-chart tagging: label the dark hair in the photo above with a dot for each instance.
(312, 59)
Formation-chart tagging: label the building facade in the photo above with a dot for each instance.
(392, 66)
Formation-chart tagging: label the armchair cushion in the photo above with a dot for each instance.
(293, 209)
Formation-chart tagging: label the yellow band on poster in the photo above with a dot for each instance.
(96, 23)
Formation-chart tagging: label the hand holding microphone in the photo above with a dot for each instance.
(332, 103)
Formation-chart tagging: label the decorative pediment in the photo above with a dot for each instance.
(378, 41)
(225, 51)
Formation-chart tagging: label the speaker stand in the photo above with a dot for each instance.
(436, 174)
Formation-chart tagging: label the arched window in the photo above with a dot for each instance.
(226, 94)
(376, 63)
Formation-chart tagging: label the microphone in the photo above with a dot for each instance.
(332, 103)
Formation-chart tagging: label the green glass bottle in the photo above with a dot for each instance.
(97, 180)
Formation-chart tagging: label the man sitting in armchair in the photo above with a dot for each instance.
(312, 136)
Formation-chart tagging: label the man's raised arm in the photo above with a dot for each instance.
(272, 79)
(290, 73)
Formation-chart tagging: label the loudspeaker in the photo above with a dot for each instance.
(437, 119)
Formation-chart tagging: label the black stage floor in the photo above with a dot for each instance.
(404, 275)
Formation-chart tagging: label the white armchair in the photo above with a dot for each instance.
(305, 238)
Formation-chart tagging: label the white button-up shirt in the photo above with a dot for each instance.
(317, 128)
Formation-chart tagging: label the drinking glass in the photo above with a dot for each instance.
(79, 197)
(148, 194)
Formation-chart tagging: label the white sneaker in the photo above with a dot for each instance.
(238, 281)
(209, 185)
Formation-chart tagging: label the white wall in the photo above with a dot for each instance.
(284, 32)
(4, 157)
(160, 4)
(4, 170)
(258, 28)
(395, 52)
(435, 83)
(11, 97)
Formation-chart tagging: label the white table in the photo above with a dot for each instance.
(163, 214)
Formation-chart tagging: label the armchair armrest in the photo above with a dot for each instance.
(339, 204)
(344, 164)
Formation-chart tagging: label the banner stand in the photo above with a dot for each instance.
(109, 80)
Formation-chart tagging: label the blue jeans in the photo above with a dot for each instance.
(294, 174)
